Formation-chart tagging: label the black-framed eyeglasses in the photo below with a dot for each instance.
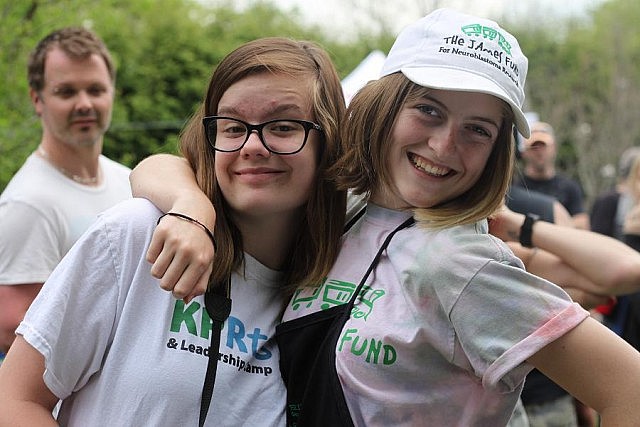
(281, 136)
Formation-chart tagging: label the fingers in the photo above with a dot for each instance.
(181, 255)
(186, 277)
(201, 286)
(587, 300)
(497, 226)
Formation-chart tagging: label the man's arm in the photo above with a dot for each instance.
(14, 300)
(561, 216)
(581, 221)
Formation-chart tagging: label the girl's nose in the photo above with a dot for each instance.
(254, 146)
(443, 141)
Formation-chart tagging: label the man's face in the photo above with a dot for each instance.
(539, 150)
(76, 102)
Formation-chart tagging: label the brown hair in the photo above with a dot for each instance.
(366, 134)
(77, 42)
(313, 253)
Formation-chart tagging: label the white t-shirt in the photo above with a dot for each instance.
(121, 351)
(42, 214)
(443, 327)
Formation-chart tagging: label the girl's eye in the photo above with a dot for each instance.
(428, 110)
(234, 130)
(480, 131)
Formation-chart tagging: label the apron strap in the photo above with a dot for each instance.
(217, 301)
(354, 219)
(407, 223)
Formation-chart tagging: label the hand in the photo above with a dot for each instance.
(182, 255)
(505, 224)
(586, 299)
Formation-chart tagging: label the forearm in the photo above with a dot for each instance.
(169, 182)
(548, 266)
(613, 266)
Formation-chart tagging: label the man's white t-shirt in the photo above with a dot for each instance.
(43, 213)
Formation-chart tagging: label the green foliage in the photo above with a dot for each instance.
(165, 51)
(162, 68)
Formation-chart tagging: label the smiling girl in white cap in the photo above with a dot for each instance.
(437, 323)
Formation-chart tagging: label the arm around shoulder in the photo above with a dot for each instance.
(169, 183)
(181, 253)
(14, 300)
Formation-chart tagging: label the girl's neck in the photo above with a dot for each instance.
(268, 239)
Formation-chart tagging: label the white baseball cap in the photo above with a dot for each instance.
(453, 51)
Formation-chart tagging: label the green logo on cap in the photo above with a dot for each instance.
(487, 33)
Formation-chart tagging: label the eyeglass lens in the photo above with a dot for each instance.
(281, 136)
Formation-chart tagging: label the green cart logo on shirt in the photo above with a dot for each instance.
(336, 292)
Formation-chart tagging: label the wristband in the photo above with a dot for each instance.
(526, 229)
(193, 221)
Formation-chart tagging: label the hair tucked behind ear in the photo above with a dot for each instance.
(367, 128)
(366, 138)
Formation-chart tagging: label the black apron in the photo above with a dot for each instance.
(308, 360)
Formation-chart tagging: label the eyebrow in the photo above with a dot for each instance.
(279, 109)
(57, 86)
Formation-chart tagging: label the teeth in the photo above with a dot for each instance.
(429, 168)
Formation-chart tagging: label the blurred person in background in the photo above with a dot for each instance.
(66, 181)
(616, 213)
(539, 153)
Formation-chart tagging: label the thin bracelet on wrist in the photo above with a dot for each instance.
(193, 221)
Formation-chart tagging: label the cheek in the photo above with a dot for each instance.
(305, 170)
(104, 104)
(220, 167)
(476, 163)
(57, 111)
(305, 173)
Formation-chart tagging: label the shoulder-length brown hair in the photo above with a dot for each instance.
(366, 136)
(315, 248)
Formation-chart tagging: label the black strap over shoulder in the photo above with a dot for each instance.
(217, 301)
(307, 344)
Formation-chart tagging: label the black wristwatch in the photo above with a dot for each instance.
(526, 229)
